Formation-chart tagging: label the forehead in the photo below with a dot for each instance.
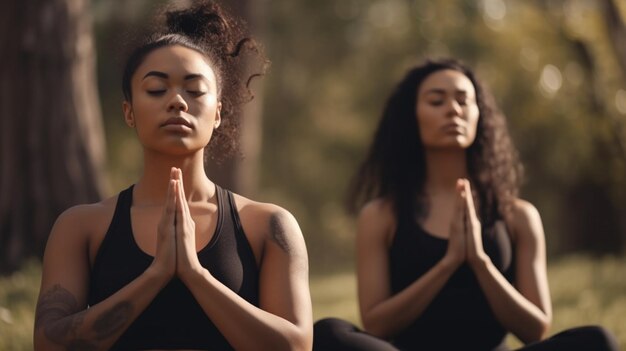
(447, 80)
(176, 61)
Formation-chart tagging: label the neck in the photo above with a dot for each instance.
(151, 189)
(443, 168)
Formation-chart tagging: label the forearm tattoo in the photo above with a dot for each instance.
(278, 233)
(60, 316)
(58, 313)
(111, 321)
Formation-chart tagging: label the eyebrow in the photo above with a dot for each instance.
(163, 75)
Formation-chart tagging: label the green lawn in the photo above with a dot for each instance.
(584, 291)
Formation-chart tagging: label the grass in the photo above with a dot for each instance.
(584, 291)
(18, 296)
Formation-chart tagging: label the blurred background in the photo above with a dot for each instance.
(556, 67)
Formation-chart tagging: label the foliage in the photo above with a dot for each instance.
(549, 64)
(335, 62)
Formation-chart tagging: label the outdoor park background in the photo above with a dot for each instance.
(556, 67)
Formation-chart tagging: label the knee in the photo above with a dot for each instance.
(329, 334)
(328, 326)
(599, 338)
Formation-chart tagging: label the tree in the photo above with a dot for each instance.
(594, 207)
(616, 30)
(336, 61)
(52, 147)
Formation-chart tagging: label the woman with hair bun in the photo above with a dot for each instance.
(175, 262)
(448, 256)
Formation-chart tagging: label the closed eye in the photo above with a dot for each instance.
(196, 93)
(156, 92)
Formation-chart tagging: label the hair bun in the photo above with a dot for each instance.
(202, 21)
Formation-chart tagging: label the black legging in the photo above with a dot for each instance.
(333, 334)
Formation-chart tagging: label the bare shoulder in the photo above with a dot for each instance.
(86, 212)
(266, 221)
(85, 220)
(378, 208)
(74, 238)
(251, 210)
(525, 221)
(377, 220)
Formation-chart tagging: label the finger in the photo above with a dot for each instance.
(184, 207)
(460, 184)
(469, 200)
(174, 190)
(179, 176)
(180, 183)
(173, 173)
(459, 212)
(186, 210)
(186, 222)
(168, 216)
(180, 199)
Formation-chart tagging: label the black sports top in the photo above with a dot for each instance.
(174, 320)
(459, 317)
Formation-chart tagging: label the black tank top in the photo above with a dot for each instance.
(459, 317)
(174, 320)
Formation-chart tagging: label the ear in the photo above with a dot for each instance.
(218, 115)
(129, 117)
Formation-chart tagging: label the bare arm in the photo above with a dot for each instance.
(382, 313)
(62, 320)
(525, 311)
(283, 321)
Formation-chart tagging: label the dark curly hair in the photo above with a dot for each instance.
(208, 29)
(395, 166)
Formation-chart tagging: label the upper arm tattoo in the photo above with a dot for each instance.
(60, 316)
(278, 233)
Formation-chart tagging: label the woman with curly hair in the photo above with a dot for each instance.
(448, 257)
(175, 262)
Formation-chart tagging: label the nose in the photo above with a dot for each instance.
(454, 108)
(177, 103)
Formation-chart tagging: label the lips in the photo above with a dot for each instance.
(177, 121)
(453, 128)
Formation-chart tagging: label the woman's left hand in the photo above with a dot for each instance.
(186, 256)
(473, 229)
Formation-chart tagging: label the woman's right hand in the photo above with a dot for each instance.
(164, 263)
(457, 242)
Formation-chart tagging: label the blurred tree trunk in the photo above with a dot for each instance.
(616, 29)
(52, 147)
(593, 215)
(616, 33)
(241, 176)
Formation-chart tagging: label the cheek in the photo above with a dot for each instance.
(473, 123)
(141, 109)
(425, 120)
(207, 107)
(206, 114)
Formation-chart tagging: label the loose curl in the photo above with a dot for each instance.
(222, 39)
(395, 166)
